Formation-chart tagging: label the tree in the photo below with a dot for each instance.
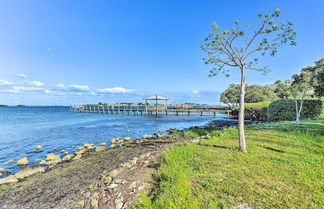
(299, 92)
(310, 75)
(282, 89)
(231, 95)
(254, 93)
(319, 89)
(238, 48)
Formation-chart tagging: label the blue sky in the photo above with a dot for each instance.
(62, 52)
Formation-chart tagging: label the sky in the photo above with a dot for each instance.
(63, 52)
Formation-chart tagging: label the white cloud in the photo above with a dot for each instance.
(47, 91)
(35, 83)
(195, 91)
(116, 90)
(5, 83)
(73, 87)
(19, 89)
(21, 75)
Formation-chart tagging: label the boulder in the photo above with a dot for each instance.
(101, 148)
(103, 144)
(8, 179)
(39, 147)
(66, 153)
(112, 145)
(37, 160)
(43, 162)
(107, 179)
(67, 157)
(55, 148)
(77, 157)
(89, 146)
(28, 172)
(23, 161)
(127, 138)
(8, 171)
(2, 169)
(0, 174)
(146, 136)
(10, 161)
(62, 151)
(73, 147)
(113, 141)
(52, 157)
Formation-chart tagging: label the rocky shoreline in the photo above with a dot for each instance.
(110, 178)
(94, 177)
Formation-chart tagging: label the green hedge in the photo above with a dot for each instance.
(285, 109)
(252, 113)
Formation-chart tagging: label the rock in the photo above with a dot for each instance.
(128, 130)
(23, 161)
(43, 162)
(66, 153)
(73, 147)
(119, 205)
(114, 173)
(39, 147)
(112, 145)
(8, 171)
(101, 148)
(81, 148)
(2, 169)
(107, 179)
(120, 141)
(103, 144)
(28, 172)
(147, 136)
(0, 174)
(37, 160)
(52, 157)
(77, 157)
(67, 157)
(89, 146)
(111, 186)
(113, 141)
(82, 203)
(127, 138)
(55, 148)
(8, 179)
(10, 161)
(62, 151)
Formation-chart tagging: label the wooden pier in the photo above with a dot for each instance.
(154, 110)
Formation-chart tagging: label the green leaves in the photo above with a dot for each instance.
(239, 48)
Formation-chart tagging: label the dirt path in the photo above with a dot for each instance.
(107, 179)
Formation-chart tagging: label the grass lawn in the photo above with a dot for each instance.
(283, 168)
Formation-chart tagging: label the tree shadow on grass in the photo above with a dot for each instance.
(217, 146)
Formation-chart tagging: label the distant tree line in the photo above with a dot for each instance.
(309, 83)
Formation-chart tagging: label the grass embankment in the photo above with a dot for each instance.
(283, 168)
(258, 104)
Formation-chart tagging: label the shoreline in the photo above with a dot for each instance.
(76, 179)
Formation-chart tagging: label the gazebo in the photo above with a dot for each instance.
(156, 98)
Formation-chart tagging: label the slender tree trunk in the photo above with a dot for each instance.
(241, 113)
(297, 111)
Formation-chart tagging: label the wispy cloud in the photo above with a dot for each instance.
(195, 91)
(19, 89)
(35, 83)
(21, 75)
(72, 87)
(5, 83)
(116, 90)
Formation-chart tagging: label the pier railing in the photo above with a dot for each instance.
(160, 109)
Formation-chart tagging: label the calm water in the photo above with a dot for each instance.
(22, 128)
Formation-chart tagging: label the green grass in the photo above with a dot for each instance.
(259, 104)
(283, 168)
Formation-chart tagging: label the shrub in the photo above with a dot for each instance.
(252, 113)
(285, 109)
(190, 134)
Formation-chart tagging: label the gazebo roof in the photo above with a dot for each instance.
(156, 97)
